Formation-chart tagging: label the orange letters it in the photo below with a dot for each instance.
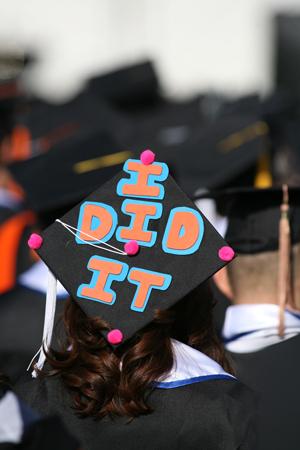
(105, 268)
(146, 281)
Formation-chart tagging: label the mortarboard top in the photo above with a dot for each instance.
(50, 124)
(127, 85)
(202, 149)
(222, 152)
(254, 214)
(70, 171)
(178, 248)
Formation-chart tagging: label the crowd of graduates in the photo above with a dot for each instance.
(223, 153)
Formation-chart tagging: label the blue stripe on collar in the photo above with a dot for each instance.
(236, 336)
(178, 383)
(293, 313)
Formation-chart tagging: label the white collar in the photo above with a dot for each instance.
(190, 366)
(14, 418)
(11, 423)
(35, 279)
(252, 327)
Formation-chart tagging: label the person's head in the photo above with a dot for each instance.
(111, 382)
(253, 278)
(254, 233)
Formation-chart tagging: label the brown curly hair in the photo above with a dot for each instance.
(109, 383)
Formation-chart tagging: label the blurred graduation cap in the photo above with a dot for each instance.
(136, 244)
(51, 124)
(57, 180)
(204, 148)
(254, 215)
(224, 154)
(207, 141)
(129, 85)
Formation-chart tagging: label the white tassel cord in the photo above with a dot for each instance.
(110, 249)
(48, 322)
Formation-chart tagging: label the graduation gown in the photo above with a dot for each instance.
(210, 411)
(22, 428)
(22, 312)
(273, 370)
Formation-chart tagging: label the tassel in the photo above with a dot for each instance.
(48, 322)
(284, 274)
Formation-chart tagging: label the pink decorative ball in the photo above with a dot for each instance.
(115, 337)
(35, 241)
(226, 253)
(147, 157)
(131, 247)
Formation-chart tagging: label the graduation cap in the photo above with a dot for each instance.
(201, 150)
(263, 220)
(128, 85)
(59, 179)
(254, 215)
(136, 244)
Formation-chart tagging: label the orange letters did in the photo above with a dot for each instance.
(184, 231)
(106, 219)
(141, 212)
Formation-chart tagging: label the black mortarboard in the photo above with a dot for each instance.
(133, 84)
(136, 244)
(202, 150)
(70, 171)
(254, 215)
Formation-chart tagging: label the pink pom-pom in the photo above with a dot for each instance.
(35, 241)
(131, 247)
(226, 253)
(115, 337)
(147, 157)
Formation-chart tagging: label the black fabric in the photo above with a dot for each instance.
(5, 385)
(47, 434)
(21, 328)
(215, 414)
(274, 372)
